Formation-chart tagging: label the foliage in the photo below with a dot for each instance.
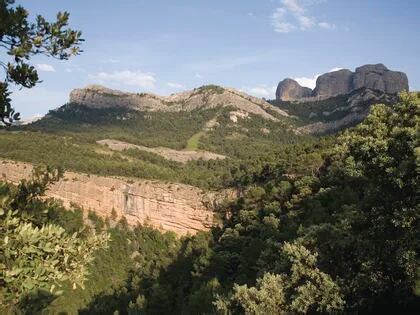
(306, 290)
(23, 39)
(35, 255)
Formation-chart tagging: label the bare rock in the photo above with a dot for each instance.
(334, 83)
(173, 207)
(289, 90)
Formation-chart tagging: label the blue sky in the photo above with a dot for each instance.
(168, 46)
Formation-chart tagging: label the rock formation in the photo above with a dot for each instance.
(167, 206)
(375, 77)
(289, 90)
(378, 77)
(334, 83)
(207, 96)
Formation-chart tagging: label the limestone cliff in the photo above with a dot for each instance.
(167, 206)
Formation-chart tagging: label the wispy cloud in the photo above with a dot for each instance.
(175, 85)
(261, 90)
(126, 77)
(198, 76)
(45, 67)
(293, 15)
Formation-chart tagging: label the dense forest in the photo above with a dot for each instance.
(325, 225)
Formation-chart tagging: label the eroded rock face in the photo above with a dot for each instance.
(378, 77)
(167, 206)
(334, 83)
(289, 90)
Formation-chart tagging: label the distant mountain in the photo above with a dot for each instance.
(210, 96)
(375, 77)
(341, 98)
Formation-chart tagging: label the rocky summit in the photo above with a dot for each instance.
(289, 89)
(375, 77)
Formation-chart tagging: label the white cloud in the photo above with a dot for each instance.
(326, 25)
(293, 15)
(175, 85)
(45, 67)
(126, 77)
(277, 20)
(198, 76)
(293, 6)
(261, 90)
(308, 82)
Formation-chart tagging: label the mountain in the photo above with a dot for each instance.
(340, 99)
(210, 96)
(375, 77)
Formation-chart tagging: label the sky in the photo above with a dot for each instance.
(164, 47)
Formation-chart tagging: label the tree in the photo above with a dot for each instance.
(21, 39)
(369, 237)
(36, 255)
(305, 290)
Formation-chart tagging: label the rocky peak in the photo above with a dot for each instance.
(289, 90)
(334, 83)
(372, 76)
(378, 77)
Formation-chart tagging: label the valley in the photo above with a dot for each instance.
(206, 187)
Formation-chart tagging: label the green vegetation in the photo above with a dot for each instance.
(71, 133)
(330, 109)
(193, 143)
(36, 255)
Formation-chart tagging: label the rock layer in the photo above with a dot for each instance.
(170, 207)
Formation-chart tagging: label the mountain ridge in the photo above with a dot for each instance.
(209, 96)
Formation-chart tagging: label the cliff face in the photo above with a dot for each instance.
(170, 207)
